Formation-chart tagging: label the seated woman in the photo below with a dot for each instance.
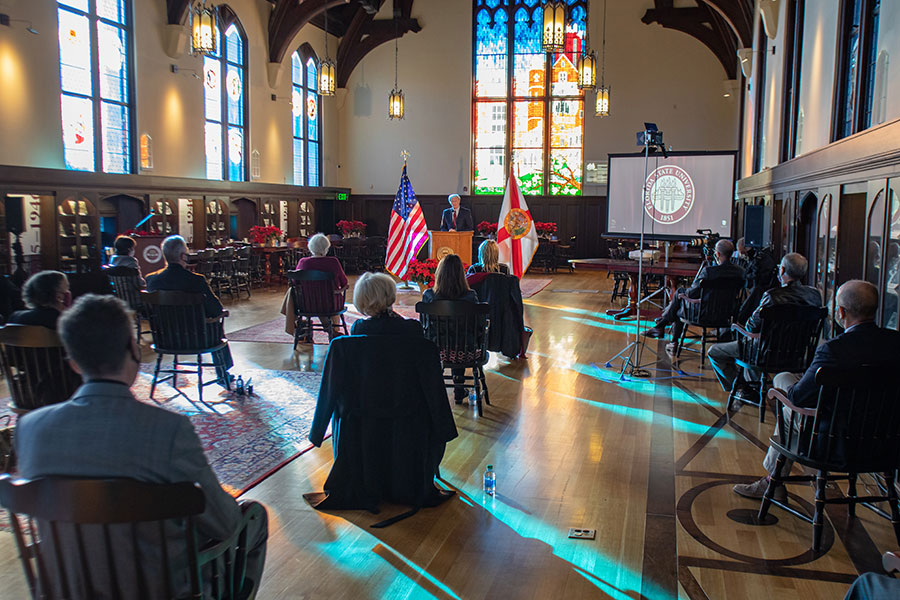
(450, 284)
(46, 295)
(374, 296)
(489, 257)
(124, 257)
(319, 261)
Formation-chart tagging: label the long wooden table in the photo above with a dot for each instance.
(671, 270)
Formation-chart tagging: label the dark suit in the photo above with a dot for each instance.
(104, 432)
(707, 272)
(176, 278)
(464, 220)
(389, 323)
(42, 315)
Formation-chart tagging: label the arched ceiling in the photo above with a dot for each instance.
(722, 26)
(353, 21)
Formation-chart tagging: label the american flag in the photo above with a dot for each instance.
(408, 232)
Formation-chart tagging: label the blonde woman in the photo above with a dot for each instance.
(374, 295)
(489, 257)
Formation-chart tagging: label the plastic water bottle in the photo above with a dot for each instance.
(490, 481)
(473, 399)
(239, 386)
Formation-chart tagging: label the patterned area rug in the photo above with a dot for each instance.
(530, 287)
(246, 438)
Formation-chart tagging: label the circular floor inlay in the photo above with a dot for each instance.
(748, 516)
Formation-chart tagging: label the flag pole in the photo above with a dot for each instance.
(405, 286)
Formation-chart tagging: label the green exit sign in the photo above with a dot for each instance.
(343, 196)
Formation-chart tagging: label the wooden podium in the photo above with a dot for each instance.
(148, 252)
(441, 243)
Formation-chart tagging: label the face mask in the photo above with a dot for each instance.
(67, 299)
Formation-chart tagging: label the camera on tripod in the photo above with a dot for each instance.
(707, 242)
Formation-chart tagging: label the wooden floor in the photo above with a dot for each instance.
(649, 465)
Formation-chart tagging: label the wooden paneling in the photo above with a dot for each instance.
(581, 216)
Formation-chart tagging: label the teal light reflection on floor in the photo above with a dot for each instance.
(618, 582)
(408, 588)
(612, 326)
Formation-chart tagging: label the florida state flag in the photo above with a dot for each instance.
(516, 234)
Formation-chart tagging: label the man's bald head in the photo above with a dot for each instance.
(859, 301)
(724, 250)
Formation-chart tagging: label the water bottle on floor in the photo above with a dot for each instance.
(490, 481)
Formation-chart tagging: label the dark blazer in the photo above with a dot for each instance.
(504, 296)
(104, 432)
(390, 421)
(177, 278)
(863, 344)
(42, 315)
(792, 293)
(464, 220)
(429, 296)
(728, 270)
(479, 268)
(389, 323)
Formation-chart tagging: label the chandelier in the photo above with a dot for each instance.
(554, 37)
(326, 68)
(203, 29)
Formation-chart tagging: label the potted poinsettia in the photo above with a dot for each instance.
(545, 230)
(265, 235)
(422, 272)
(486, 229)
(351, 228)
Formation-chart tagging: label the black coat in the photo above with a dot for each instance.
(464, 220)
(387, 324)
(390, 420)
(504, 296)
(44, 316)
(177, 278)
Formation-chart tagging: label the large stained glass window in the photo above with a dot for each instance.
(307, 122)
(225, 102)
(95, 83)
(528, 111)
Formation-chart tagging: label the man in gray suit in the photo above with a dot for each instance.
(103, 431)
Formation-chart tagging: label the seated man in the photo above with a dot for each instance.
(103, 431)
(722, 269)
(46, 295)
(176, 277)
(790, 271)
(762, 275)
(862, 343)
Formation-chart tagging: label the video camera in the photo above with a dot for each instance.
(707, 242)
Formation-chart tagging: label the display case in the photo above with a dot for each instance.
(305, 218)
(164, 219)
(217, 217)
(269, 213)
(78, 230)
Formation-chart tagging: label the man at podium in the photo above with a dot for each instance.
(456, 218)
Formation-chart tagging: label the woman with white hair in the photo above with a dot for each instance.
(319, 245)
(374, 296)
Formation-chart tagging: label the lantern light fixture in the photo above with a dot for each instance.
(326, 68)
(204, 28)
(602, 107)
(587, 59)
(554, 32)
(396, 104)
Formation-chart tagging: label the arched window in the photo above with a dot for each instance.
(95, 49)
(307, 121)
(226, 102)
(517, 86)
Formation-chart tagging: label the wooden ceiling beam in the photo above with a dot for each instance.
(739, 16)
(377, 33)
(176, 11)
(701, 23)
(288, 17)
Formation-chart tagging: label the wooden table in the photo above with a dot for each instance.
(671, 270)
(267, 254)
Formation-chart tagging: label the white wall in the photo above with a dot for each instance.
(817, 75)
(655, 74)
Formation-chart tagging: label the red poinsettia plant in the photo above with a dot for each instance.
(545, 228)
(260, 234)
(422, 271)
(486, 229)
(348, 227)
(138, 233)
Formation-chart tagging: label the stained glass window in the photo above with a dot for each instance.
(95, 84)
(517, 88)
(307, 122)
(225, 103)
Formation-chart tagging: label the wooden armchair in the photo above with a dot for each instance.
(35, 366)
(713, 310)
(460, 331)
(120, 538)
(855, 428)
(180, 327)
(127, 286)
(786, 341)
(315, 297)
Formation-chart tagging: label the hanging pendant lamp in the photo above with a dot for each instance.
(326, 68)
(587, 58)
(602, 107)
(396, 106)
(203, 29)
(554, 36)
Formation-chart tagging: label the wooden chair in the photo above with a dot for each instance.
(460, 330)
(223, 271)
(35, 366)
(855, 428)
(349, 252)
(240, 276)
(713, 310)
(206, 263)
(121, 538)
(180, 327)
(786, 341)
(565, 252)
(374, 253)
(126, 284)
(315, 297)
(545, 257)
